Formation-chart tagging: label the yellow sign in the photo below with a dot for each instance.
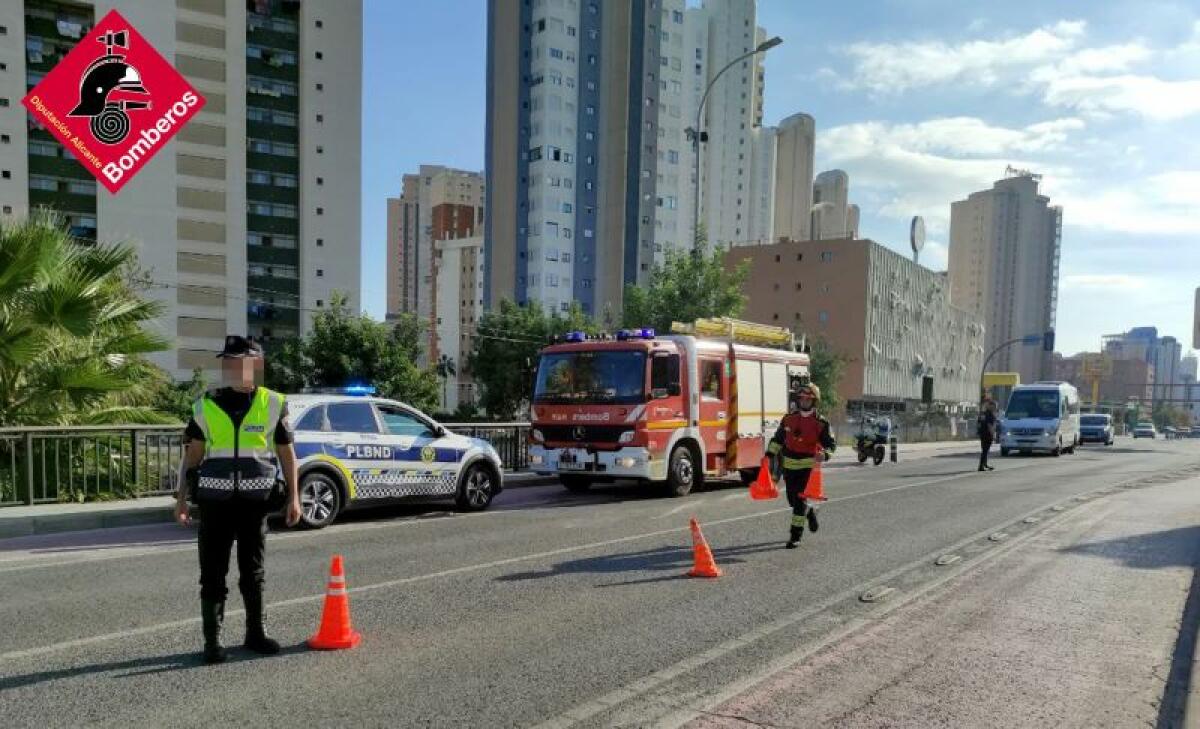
(1097, 366)
(428, 454)
(1001, 379)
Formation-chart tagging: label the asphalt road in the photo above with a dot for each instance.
(549, 609)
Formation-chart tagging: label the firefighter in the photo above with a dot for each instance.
(803, 437)
(238, 440)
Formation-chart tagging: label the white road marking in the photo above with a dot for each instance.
(648, 683)
(119, 635)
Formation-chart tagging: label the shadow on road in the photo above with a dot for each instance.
(135, 667)
(1178, 547)
(661, 559)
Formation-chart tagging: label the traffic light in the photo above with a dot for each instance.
(1048, 341)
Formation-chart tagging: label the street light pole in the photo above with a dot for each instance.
(696, 135)
(1027, 339)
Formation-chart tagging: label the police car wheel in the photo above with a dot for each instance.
(320, 500)
(476, 490)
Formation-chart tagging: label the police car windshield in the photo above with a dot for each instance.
(606, 376)
(1031, 404)
(1093, 420)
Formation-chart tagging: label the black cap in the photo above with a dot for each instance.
(236, 346)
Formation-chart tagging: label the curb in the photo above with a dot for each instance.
(83, 521)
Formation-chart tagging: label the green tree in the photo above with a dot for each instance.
(73, 330)
(826, 368)
(347, 348)
(685, 287)
(505, 348)
(445, 370)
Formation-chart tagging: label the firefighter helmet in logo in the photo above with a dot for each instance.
(579, 432)
(105, 76)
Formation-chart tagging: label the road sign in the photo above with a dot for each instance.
(1097, 366)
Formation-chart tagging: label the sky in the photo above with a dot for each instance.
(921, 102)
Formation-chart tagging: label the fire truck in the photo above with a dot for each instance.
(664, 409)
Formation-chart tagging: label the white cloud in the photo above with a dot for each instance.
(1147, 96)
(1167, 203)
(891, 68)
(919, 169)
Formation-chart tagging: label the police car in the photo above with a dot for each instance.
(355, 450)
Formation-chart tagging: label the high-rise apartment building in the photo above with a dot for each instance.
(436, 204)
(458, 266)
(831, 191)
(590, 172)
(852, 216)
(1167, 356)
(794, 150)
(1187, 369)
(1004, 256)
(733, 113)
(249, 219)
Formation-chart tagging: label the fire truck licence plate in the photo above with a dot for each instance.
(568, 462)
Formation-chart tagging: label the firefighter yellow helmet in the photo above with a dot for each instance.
(811, 389)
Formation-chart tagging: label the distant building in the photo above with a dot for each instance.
(1167, 357)
(1187, 369)
(830, 191)
(852, 216)
(458, 267)
(438, 203)
(1131, 379)
(794, 149)
(1196, 321)
(1004, 267)
(890, 317)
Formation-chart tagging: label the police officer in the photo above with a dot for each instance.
(803, 437)
(236, 437)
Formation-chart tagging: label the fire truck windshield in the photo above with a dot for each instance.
(603, 376)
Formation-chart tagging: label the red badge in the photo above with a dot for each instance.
(114, 101)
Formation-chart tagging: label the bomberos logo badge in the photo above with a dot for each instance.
(114, 101)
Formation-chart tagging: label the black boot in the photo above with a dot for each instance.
(794, 540)
(812, 520)
(212, 614)
(256, 637)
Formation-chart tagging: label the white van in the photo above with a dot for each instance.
(1043, 416)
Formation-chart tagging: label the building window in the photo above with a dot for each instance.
(4, 139)
(320, 149)
(319, 55)
(799, 257)
(320, 303)
(320, 87)
(826, 256)
(320, 273)
(823, 317)
(320, 118)
(320, 242)
(320, 24)
(320, 211)
(6, 175)
(8, 209)
(320, 180)
(3, 101)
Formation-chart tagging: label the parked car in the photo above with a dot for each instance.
(1145, 430)
(1096, 428)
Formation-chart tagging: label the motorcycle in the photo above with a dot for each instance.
(871, 441)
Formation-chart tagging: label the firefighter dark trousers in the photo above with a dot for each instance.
(220, 526)
(795, 482)
(985, 445)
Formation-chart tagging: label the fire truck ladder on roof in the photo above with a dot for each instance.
(739, 332)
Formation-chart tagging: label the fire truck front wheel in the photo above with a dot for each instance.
(575, 484)
(682, 475)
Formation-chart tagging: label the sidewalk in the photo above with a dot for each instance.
(1090, 623)
(23, 521)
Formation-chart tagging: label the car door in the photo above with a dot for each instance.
(423, 462)
(713, 412)
(354, 437)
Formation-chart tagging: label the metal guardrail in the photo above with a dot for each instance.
(53, 464)
(511, 440)
(87, 463)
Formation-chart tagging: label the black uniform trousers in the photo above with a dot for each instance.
(221, 524)
(795, 481)
(985, 445)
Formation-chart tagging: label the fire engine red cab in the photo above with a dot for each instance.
(672, 409)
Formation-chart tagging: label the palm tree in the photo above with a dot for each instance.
(72, 330)
(445, 370)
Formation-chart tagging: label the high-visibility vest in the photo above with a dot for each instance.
(238, 460)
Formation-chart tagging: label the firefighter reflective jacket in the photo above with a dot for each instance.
(239, 459)
(798, 439)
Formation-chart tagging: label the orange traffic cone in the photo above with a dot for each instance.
(814, 490)
(705, 565)
(335, 632)
(763, 488)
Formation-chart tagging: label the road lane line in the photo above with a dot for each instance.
(678, 509)
(92, 640)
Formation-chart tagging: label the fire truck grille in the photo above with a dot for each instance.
(583, 433)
